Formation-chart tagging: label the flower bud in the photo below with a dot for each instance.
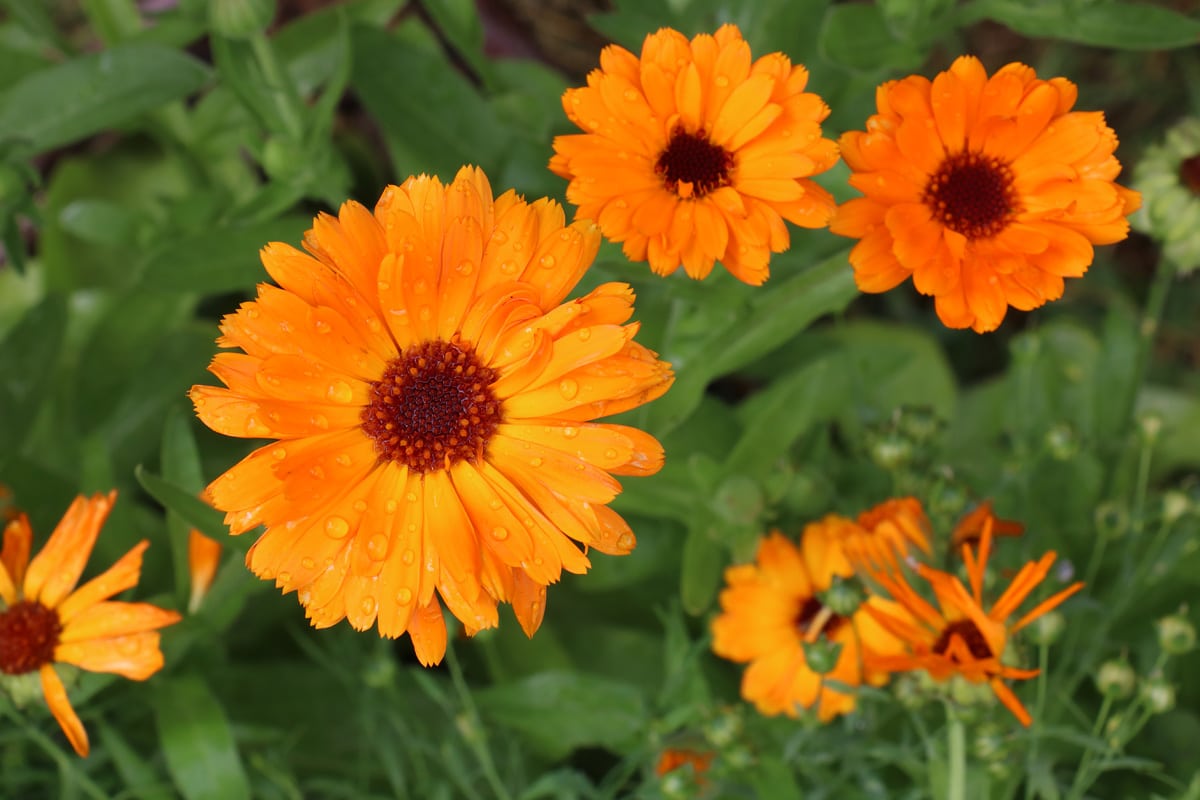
(1176, 634)
(1048, 628)
(1175, 504)
(843, 597)
(1112, 521)
(1167, 179)
(1116, 679)
(1157, 694)
(822, 655)
(1061, 442)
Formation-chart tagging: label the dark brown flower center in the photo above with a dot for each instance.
(969, 633)
(972, 194)
(810, 611)
(1189, 173)
(692, 166)
(28, 635)
(433, 407)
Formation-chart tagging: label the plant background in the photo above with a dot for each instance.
(149, 149)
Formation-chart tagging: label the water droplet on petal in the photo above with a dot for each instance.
(465, 268)
(390, 506)
(278, 453)
(339, 392)
(570, 432)
(411, 497)
(499, 533)
(494, 503)
(337, 527)
(499, 237)
(535, 462)
(360, 506)
(284, 577)
(404, 596)
(377, 547)
(408, 556)
(568, 388)
(368, 606)
(307, 562)
(547, 261)
(342, 459)
(721, 80)
(425, 314)
(509, 267)
(610, 454)
(322, 326)
(584, 334)
(626, 541)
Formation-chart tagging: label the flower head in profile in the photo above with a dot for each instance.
(694, 153)
(987, 192)
(45, 620)
(958, 636)
(772, 617)
(1168, 177)
(431, 397)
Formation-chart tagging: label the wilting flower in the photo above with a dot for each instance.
(672, 759)
(1168, 177)
(204, 556)
(959, 637)
(773, 618)
(45, 620)
(969, 529)
(693, 153)
(986, 191)
(432, 398)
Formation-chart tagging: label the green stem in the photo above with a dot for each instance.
(956, 768)
(475, 733)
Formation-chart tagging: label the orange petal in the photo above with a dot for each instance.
(60, 706)
(136, 656)
(428, 633)
(117, 578)
(114, 619)
(54, 572)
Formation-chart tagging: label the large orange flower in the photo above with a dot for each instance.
(958, 637)
(988, 192)
(432, 398)
(693, 153)
(771, 610)
(46, 620)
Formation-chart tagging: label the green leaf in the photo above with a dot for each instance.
(196, 739)
(28, 355)
(194, 511)
(856, 35)
(220, 260)
(1122, 26)
(181, 467)
(95, 92)
(703, 559)
(139, 778)
(768, 320)
(433, 120)
(253, 72)
(99, 221)
(557, 712)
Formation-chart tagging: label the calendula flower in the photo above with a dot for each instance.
(693, 153)
(987, 192)
(204, 556)
(958, 637)
(772, 617)
(432, 399)
(969, 529)
(46, 620)
(895, 528)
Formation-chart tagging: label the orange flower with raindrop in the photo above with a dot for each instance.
(431, 397)
(693, 153)
(45, 620)
(987, 191)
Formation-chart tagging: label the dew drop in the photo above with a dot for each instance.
(377, 547)
(570, 432)
(626, 541)
(411, 497)
(538, 560)
(721, 80)
(368, 606)
(420, 286)
(499, 533)
(254, 427)
(610, 454)
(547, 261)
(499, 237)
(404, 596)
(319, 421)
(425, 314)
(308, 563)
(584, 334)
(284, 577)
(508, 267)
(535, 462)
(342, 459)
(465, 268)
(408, 556)
(360, 506)
(337, 527)
(630, 95)
(494, 504)
(568, 388)
(322, 326)
(278, 453)
(339, 392)
(390, 506)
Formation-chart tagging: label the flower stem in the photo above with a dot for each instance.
(956, 768)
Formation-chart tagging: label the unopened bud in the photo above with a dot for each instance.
(1112, 521)
(1048, 628)
(1116, 679)
(822, 655)
(1158, 695)
(1176, 634)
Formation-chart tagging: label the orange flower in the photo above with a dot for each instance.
(986, 191)
(892, 530)
(693, 153)
(46, 620)
(959, 637)
(432, 396)
(969, 529)
(672, 759)
(771, 610)
(204, 556)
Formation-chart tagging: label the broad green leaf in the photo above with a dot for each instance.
(1123, 26)
(95, 92)
(194, 511)
(181, 467)
(99, 221)
(28, 355)
(768, 320)
(197, 741)
(433, 120)
(458, 21)
(856, 35)
(557, 712)
(253, 72)
(220, 260)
